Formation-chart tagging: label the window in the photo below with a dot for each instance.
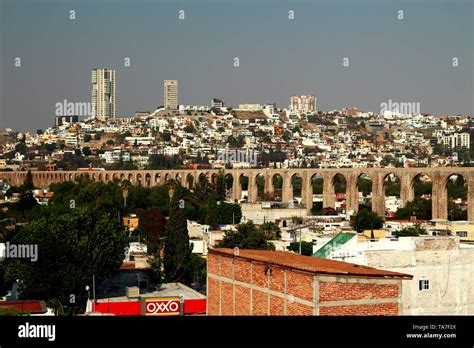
(424, 284)
(461, 233)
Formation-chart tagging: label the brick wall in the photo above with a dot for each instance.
(238, 286)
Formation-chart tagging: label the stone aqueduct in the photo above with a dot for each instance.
(439, 177)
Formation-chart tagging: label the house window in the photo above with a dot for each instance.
(424, 284)
(461, 233)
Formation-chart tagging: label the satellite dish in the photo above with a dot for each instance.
(236, 251)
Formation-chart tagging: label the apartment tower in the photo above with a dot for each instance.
(103, 93)
(170, 88)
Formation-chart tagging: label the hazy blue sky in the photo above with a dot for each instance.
(403, 60)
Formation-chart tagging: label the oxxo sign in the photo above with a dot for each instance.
(163, 306)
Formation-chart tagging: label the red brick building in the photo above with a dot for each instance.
(264, 282)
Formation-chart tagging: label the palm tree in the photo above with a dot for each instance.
(125, 184)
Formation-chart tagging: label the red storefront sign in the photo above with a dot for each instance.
(163, 306)
(132, 308)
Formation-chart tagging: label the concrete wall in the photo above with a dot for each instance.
(259, 215)
(448, 267)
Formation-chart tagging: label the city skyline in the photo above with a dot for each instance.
(408, 60)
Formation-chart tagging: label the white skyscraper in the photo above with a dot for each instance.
(103, 93)
(170, 89)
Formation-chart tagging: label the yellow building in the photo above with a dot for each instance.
(367, 234)
(464, 230)
(130, 222)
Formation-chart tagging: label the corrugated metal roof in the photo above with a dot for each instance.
(310, 264)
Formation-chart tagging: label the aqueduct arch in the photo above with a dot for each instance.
(407, 179)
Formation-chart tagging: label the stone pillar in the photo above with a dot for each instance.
(329, 196)
(352, 193)
(307, 192)
(470, 197)
(287, 194)
(252, 188)
(269, 191)
(236, 188)
(439, 197)
(378, 194)
(407, 194)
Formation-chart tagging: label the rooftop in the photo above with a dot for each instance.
(310, 264)
(165, 290)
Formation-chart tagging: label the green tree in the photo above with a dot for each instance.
(306, 248)
(156, 265)
(28, 183)
(177, 249)
(198, 269)
(86, 151)
(212, 213)
(271, 230)
(419, 207)
(412, 231)
(366, 220)
(221, 187)
(72, 247)
(229, 213)
(247, 236)
(21, 148)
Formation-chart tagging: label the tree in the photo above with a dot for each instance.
(87, 138)
(28, 183)
(177, 249)
(229, 213)
(73, 247)
(21, 148)
(125, 185)
(189, 129)
(412, 231)
(27, 201)
(86, 151)
(221, 187)
(152, 222)
(212, 217)
(306, 248)
(271, 230)
(367, 220)
(156, 265)
(198, 269)
(247, 236)
(419, 207)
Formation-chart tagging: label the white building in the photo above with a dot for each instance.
(140, 140)
(303, 103)
(170, 91)
(217, 103)
(250, 107)
(456, 140)
(103, 93)
(442, 269)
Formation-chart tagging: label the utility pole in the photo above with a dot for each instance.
(93, 286)
(300, 241)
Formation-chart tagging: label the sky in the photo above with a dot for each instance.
(407, 60)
